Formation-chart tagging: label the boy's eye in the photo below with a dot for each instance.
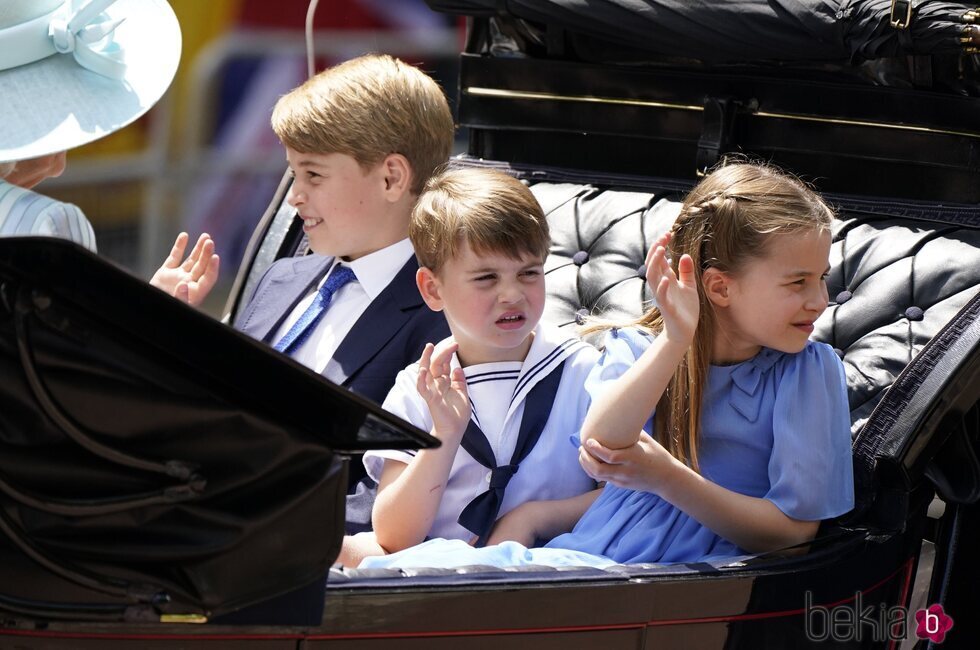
(531, 273)
(484, 278)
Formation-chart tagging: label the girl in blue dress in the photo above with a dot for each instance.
(718, 426)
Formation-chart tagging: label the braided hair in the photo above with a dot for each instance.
(725, 221)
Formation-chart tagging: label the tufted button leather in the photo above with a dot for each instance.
(641, 271)
(581, 315)
(580, 258)
(839, 352)
(843, 297)
(914, 313)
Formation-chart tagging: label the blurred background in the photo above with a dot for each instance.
(205, 159)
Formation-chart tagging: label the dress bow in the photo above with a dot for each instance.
(747, 380)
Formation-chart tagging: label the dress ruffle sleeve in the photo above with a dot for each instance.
(620, 350)
(810, 469)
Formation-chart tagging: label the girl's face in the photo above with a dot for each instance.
(773, 300)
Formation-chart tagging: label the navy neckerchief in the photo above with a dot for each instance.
(480, 515)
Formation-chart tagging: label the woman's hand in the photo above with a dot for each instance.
(645, 465)
(444, 391)
(676, 294)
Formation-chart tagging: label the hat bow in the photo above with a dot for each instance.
(80, 33)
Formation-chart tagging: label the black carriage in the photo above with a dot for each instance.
(610, 117)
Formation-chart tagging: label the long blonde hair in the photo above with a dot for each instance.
(725, 221)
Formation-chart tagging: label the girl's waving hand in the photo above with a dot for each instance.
(676, 294)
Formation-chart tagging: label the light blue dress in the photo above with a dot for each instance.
(27, 213)
(775, 426)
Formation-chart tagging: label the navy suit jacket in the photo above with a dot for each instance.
(388, 336)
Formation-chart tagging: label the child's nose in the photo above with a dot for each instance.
(295, 197)
(510, 294)
(818, 299)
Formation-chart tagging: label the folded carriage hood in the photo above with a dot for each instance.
(153, 460)
(749, 30)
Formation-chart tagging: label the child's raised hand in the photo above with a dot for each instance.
(444, 391)
(676, 294)
(192, 279)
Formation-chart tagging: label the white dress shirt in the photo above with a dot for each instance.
(374, 272)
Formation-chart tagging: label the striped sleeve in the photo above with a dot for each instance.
(26, 213)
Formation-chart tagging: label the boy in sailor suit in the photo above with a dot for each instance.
(503, 394)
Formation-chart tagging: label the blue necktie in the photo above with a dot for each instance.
(303, 328)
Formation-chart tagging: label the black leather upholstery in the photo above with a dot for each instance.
(894, 281)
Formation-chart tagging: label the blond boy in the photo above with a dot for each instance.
(503, 394)
(361, 138)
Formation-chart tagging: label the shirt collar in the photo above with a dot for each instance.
(376, 270)
(550, 347)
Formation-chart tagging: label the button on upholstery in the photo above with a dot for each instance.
(581, 315)
(580, 258)
(843, 297)
(641, 271)
(914, 313)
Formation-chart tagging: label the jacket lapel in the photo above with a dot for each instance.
(286, 286)
(386, 314)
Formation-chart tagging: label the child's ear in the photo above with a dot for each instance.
(397, 175)
(430, 288)
(717, 286)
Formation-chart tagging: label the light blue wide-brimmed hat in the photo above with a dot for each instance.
(73, 71)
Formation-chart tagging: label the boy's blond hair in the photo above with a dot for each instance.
(487, 209)
(367, 108)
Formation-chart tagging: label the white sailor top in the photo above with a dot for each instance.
(557, 363)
